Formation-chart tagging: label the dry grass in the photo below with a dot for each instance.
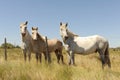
(87, 68)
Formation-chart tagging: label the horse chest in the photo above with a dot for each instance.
(26, 44)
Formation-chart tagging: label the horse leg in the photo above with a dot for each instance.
(29, 55)
(57, 55)
(40, 57)
(109, 63)
(107, 58)
(49, 57)
(37, 57)
(102, 57)
(72, 57)
(61, 56)
(69, 58)
(45, 56)
(24, 52)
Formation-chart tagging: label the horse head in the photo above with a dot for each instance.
(23, 28)
(64, 30)
(34, 33)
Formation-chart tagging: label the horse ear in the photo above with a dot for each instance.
(66, 24)
(37, 28)
(60, 23)
(26, 22)
(32, 28)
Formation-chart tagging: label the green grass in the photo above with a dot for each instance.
(87, 67)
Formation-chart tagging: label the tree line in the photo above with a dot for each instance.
(9, 46)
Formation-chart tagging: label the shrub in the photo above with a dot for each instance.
(9, 45)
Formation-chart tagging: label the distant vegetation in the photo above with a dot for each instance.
(9, 46)
(116, 49)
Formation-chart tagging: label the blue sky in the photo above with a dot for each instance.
(84, 17)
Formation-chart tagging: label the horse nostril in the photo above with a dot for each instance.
(23, 34)
(66, 38)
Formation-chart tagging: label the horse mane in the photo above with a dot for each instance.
(40, 37)
(72, 34)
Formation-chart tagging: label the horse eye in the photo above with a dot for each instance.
(25, 28)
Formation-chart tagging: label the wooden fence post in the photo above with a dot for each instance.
(5, 49)
(47, 51)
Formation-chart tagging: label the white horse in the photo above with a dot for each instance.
(84, 45)
(27, 42)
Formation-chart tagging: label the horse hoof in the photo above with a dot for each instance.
(74, 65)
(63, 63)
(69, 63)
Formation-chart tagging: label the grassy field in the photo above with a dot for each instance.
(87, 67)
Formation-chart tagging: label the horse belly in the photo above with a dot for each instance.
(85, 47)
(84, 51)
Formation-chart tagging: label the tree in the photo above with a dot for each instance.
(9, 45)
(17, 46)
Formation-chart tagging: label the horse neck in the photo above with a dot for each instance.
(71, 34)
(70, 38)
(40, 37)
(27, 37)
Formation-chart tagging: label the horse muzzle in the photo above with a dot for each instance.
(65, 38)
(23, 34)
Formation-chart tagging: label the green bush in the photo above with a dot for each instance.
(9, 45)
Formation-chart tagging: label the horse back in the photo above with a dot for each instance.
(54, 44)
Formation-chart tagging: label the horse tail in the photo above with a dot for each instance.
(107, 58)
